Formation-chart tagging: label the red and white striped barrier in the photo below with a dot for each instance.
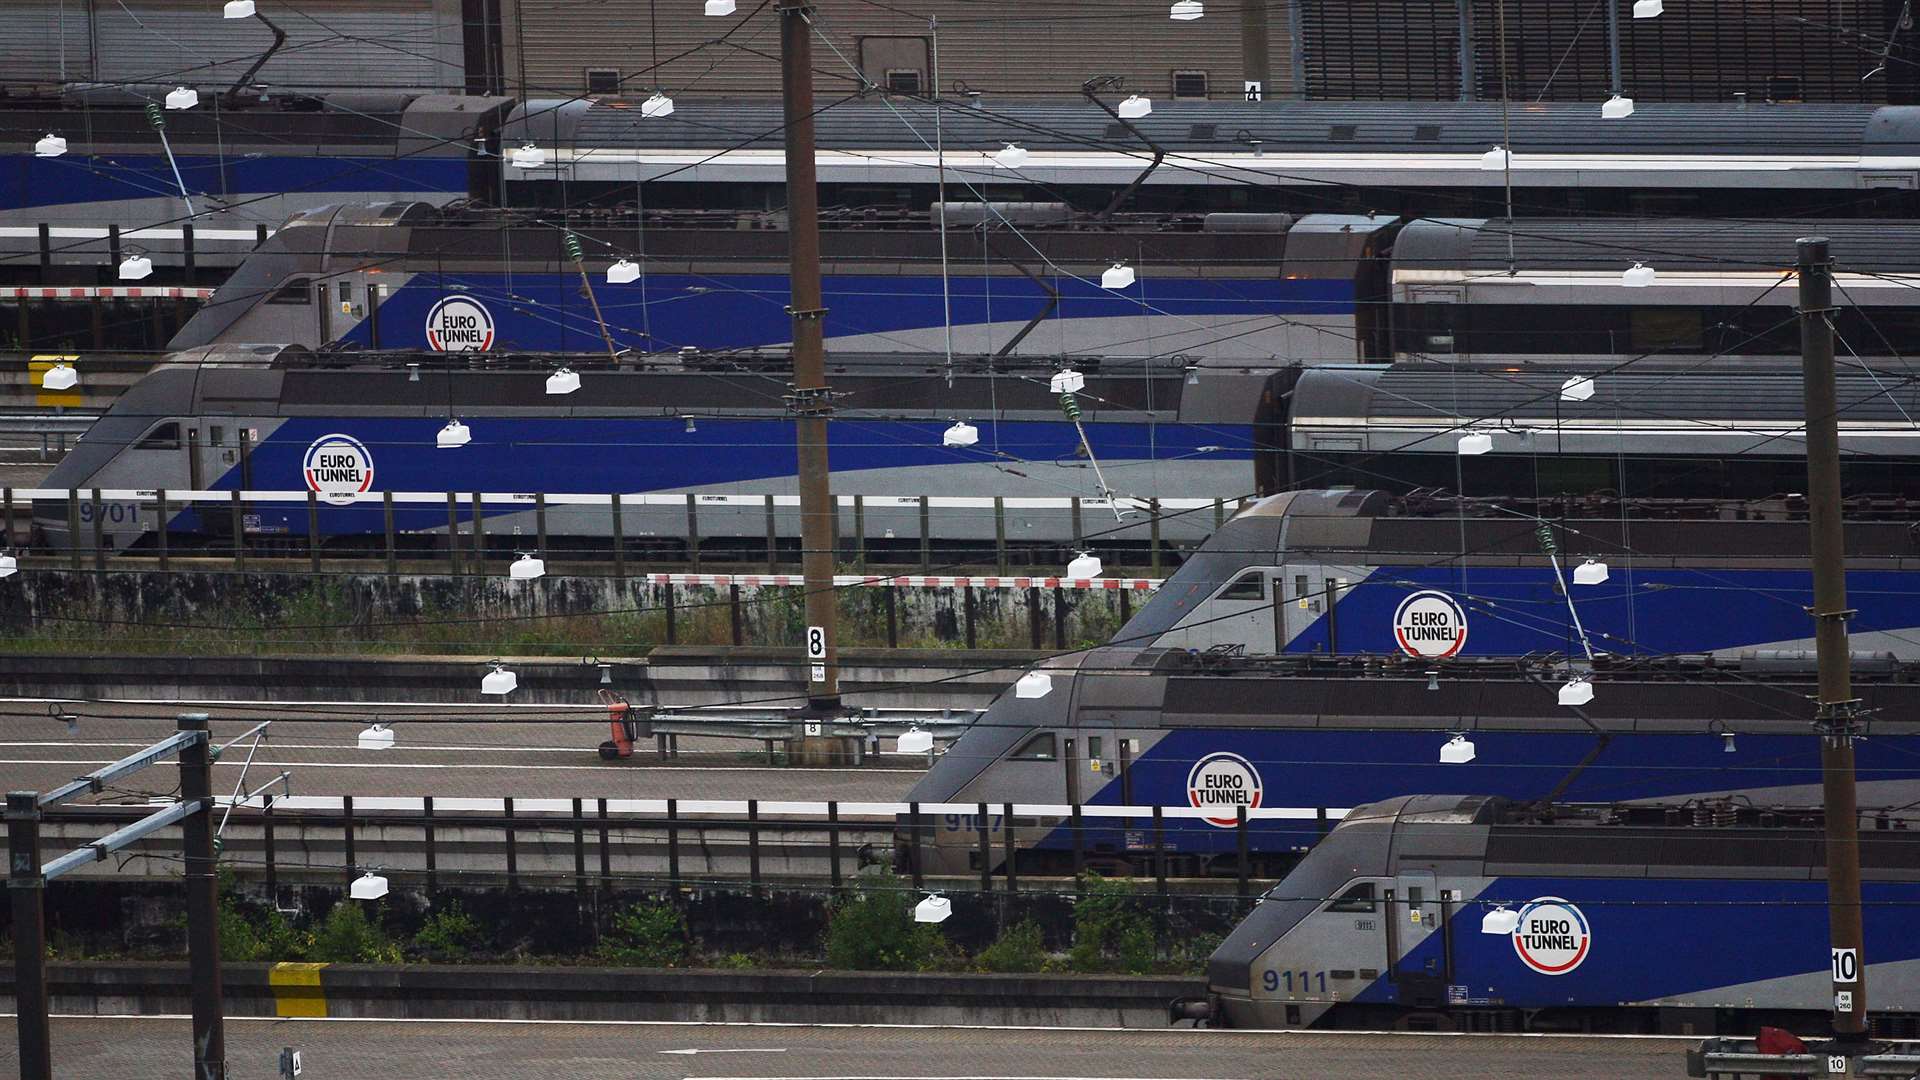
(908, 581)
(106, 292)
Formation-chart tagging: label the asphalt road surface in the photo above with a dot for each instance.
(436, 752)
(138, 1048)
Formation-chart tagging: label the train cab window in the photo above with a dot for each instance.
(297, 291)
(1358, 898)
(216, 435)
(1039, 748)
(1251, 585)
(1300, 586)
(163, 437)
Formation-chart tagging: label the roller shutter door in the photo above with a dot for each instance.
(341, 46)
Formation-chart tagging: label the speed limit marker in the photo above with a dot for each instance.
(816, 643)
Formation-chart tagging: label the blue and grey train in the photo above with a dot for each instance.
(1386, 923)
(1411, 641)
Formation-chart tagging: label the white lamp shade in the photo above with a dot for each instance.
(564, 381)
(1085, 567)
(1457, 751)
(50, 145)
(1067, 381)
(499, 681)
(1034, 684)
(377, 737)
(1012, 157)
(60, 377)
(182, 97)
(368, 886)
(1578, 388)
(527, 567)
(1637, 276)
(1577, 691)
(454, 434)
(1187, 10)
(657, 105)
(624, 272)
(718, 8)
(915, 741)
(9, 566)
(1500, 920)
(1591, 572)
(529, 157)
(1135, 107)
(1475, 443)
(1117, 276)
(1647, 9)
(1496, 159)
(934, 909)
(961, 434)
(1616, 108)
(239, 9)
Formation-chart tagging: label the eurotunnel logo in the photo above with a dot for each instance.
(1552, 936)
(1223, 782)
(338, 468)
(458, 324)
(1430, 625)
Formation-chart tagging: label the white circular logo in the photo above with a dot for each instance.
(1430, 625)
(458, 324)
(1552, 936)
(339, 468)
(1223, 782)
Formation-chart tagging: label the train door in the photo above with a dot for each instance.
(1303, 596)
(1420, 962)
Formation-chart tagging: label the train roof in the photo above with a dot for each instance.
(1480, 245)
(113, 119)
(1369, 143)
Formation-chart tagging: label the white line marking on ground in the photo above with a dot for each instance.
(730, 1050)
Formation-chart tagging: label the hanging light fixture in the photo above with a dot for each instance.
(1187, 10)
(1475, 443)
(455, 434)
(368, 886)
(934, 909)
(1578, 388)
(1135, 107)
(1496, 159)
(1726, 739)
(1577, 691)
(719, 8)
(1616, 108)
(691, 426)
(1637, 276)
(1085, 567)
(564, 381)
(527, 567)
(499, 681)
(1193, 374)
(1501, 920)
(377, 737)
(239, 9)
(529, 156)
(1034, 684)
(960, 434)
(135, 267)
(50, 145)
(1012, 157)
(623, 272)
(914, 741)
(1647, 9)
(1067, 381)
(1117, 276)
(59, 377)
(1591, 572)
(1456, 751)
(182, 97)
(9, 565)
(657, 105)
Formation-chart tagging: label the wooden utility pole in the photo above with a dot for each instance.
(1837, 719)
(810, 400)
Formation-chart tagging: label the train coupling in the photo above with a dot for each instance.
(1199, 1010)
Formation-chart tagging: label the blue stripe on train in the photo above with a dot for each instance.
(78, 178)
(668, 311)
(1726, 932)
(1513, 611)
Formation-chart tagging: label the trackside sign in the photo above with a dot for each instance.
(1223, 782)
(338, 468)
(459, 324)
(1430, 625)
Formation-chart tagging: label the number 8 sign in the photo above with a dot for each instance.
(816, 643)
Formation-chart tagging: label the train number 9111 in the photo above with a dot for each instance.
(1271, 980)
